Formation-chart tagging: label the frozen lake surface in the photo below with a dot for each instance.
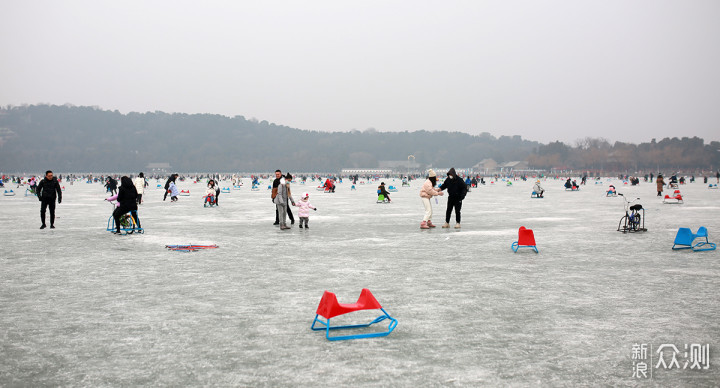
(80, 306)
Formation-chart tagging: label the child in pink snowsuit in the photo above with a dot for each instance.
(304, 211)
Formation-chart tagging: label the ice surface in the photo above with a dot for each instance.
(79, 306)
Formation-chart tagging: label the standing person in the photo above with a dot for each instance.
(457, 189)
(428, 191)
(174, 192)
(717, 176)
(140, 187)
(273, 194)
(127, 202)
(171, 178)
(276, 183)
(660, 182)
(111, 185)
(281, 201)
(304, 210)
(47, 190)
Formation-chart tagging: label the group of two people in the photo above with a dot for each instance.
(280, 196)
(457, 190)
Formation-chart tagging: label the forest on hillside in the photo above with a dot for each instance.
(85, 139)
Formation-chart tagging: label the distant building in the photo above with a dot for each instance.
(486, 166)
(399, 165)
(517, 165)
(366, 171)
(158, 167)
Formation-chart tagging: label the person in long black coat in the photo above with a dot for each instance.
(127, 198)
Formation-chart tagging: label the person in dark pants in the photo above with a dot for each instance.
(276, 183)
(457, 189)
(127, 200)
(47, 190)
(171, 178)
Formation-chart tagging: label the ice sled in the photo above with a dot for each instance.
(185, 193)
(157, 187)
(535, 195)
(9, 193)
(320, 188)
(382, 199)
(712, 186)
(675, 199)
(574, 188)
(526, 239)
(225, 190)
(128, 223)
(329, 307)
(255, 188)
(685, 237)
(392, 189)
(209, 201)
(352, 187)
(237, 187)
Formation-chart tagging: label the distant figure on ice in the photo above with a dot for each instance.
(173, 189)
(47, 190)
(538, 189)
(111, 185)
(170, 179)
(382, 191)
(660, 183)
(140, 184)
(428, 191)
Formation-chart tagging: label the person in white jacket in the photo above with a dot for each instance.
(140, 184)
(538, 189)
(428, 191)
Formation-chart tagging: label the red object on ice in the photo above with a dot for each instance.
(526, 237)
(329, 306)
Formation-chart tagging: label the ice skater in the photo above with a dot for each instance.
(428, 191)
(304, 209)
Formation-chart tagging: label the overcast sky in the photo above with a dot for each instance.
(546, 70)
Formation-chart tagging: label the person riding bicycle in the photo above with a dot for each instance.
(126, 202)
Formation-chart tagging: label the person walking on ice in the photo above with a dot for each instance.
(428, 191)
(281, 201)
(457, 189)
(47, 190)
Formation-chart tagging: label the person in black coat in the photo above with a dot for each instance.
(127, 198)
(47, 191)
(457, 189)
(171, 178)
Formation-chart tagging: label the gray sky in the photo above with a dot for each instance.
(547, 70)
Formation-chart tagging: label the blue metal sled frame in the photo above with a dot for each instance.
(515, 247)
(111, 225)
(327, 327)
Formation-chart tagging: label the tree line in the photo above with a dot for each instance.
(89, 139)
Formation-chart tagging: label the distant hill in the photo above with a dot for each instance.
(87, 139)
(70, 138)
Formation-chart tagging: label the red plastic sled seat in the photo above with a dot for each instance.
(526, 239)
(329, 307)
